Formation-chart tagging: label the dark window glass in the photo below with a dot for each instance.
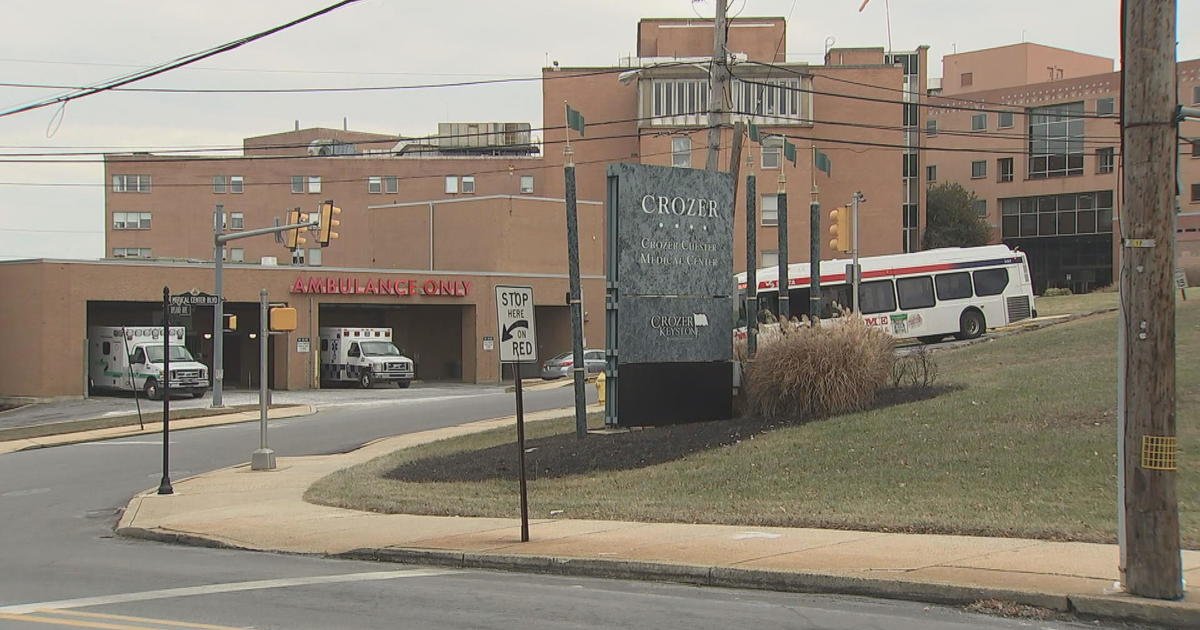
(931, 173)
(1011, 226)
(876, 297)
(139, 357)
(1195, 192)
(1066, 222)
(1005, 120)
(1005, 167)
(990, 281)
(324, 345)
(1029, 225)
(1047, 224)
(979, 122)
(953, 286)
(1105, 106)
(353, 350)
(915, 292)
(1086, 222)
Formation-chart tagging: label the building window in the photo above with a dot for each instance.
(1005, 168)
(1004, 120)
(1105, 159)
(769, 259)
(910, 115)
(931, 173)
(314, 257)
(237, 221)
(131, 220)
(769, 209)
(314, 183)
(297, 183)
(391, 185)
(451, 184)
(1105, 106)
(237, 184)
(228, 183)
(1055, 215)
(237, 254)
(527, 184)
(966, 79)
(468, 184)
(979, 122)
(1195, 148)
(131, 252)
(1056, 141)
(980, 207)
(909, 161)
(772, 153)
(219, 184)
(978, 169)
(681, 152)
(685, 101)
(131, 183)
(1196, 95)
(931, 127)
(374, 184)
(1195, 193)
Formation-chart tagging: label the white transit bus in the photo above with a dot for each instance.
(960, 291)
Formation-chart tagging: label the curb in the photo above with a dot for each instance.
(1114, 607)
(112, 422)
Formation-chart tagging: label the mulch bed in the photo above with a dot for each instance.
(563, 454)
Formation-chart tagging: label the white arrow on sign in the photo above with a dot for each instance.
(515, 322)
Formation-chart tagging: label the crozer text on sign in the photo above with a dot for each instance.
(514, 319)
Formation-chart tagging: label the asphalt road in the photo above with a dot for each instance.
(62, 566)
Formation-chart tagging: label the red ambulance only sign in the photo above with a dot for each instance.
(514, 318)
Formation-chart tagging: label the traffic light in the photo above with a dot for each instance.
(327, 223)
(282, 318)
(841, 230)
(292, 238)
(230, 322)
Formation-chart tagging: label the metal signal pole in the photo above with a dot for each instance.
(1148, 530)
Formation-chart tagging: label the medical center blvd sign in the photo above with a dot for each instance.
(515, 323)
(670, 294)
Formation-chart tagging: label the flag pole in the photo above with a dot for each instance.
(567, 130)
(575, 294)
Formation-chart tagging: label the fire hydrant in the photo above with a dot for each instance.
(600, 378)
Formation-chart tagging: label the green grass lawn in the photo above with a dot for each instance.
(1025, 447)
(1071, 304)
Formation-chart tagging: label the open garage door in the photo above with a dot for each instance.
(429, 334)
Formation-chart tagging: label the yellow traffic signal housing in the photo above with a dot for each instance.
(329, 221)
(230, 322)
(282, 319)
(292, 237)
(840, 230)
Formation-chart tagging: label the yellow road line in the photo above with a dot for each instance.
(92, 620)
(164, 622)
(69, 622)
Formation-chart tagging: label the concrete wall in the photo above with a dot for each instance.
(1016, 65)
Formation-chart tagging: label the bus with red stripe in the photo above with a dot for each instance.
(960, 291)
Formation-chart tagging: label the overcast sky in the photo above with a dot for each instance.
(57, 210)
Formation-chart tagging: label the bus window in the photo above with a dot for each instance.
(915, 292)
(739, 311)
(953, 286)
(834, 298)
(768, 303)
(990, 281)
(876, 297)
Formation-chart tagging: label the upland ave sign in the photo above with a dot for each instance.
(514, 321)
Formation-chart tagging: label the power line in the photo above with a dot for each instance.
(171, 65)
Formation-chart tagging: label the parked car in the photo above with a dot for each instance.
(563, 364)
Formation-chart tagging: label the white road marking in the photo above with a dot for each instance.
(212, 589)
(753, 535)
(123, 443)
(25, 493)
(381, 403)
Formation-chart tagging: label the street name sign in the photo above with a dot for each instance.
(195, 299)
(514, 320)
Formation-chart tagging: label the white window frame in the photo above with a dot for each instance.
(527, 184)
(773, 201)
(391, 184)
(132, 220)
(131, 252)
(131, 183)
(767, 263)
(237, 254)
(468, 184)
(220, 184)
(982, 173)
(314, 257)
(772, 153)
(297, 184)
(451, 184)
(681, 151)
(375, 184)
(1012, 117)
(314, 184)
(237, 220)
(237, 184)
(979, 122)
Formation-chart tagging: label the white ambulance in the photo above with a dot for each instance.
(362, 355)
(130, 358)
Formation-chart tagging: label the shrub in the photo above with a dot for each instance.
(803, 371)
(916, 369)
(1055, 292)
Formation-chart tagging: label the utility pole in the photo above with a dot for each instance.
(718, 84)
(1148, 528)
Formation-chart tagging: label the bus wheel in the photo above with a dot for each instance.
(970, 325)
(365, 381)
(931, 338)
(150, 389)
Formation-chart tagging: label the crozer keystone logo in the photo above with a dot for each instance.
(679, 325)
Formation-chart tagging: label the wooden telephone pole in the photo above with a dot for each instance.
(1148, 528)
(718, 82)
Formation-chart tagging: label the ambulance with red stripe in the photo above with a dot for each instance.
(929, 295)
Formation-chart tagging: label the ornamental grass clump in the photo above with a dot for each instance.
(803, 371)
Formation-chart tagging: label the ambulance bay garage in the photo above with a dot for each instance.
(444, 318)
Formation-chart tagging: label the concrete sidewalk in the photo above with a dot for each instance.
(236, 507)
